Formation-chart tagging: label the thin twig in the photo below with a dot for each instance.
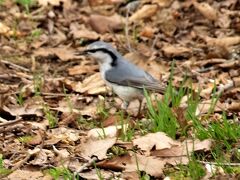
(89, 163)
(15, 66)
(20, 163)
(220, 164)
(10, 122)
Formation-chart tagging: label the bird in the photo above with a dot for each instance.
(126, 79)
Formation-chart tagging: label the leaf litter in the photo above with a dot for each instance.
(56, 111)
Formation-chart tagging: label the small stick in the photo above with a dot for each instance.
(89, 163)
(15, 65)
(220, 164)
(6, 123)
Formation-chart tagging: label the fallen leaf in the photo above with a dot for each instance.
(83, 68)
(103, 24)
(145, 11)
(156, 141)
(206, 10)
(90, 85)
(96, 147)
(186, 147)
(33, 109)
(66, 135)
(80, 32)
(50, 2)
(134, 163)
(110, 131)
(93, 174)
(64, 53)
(163, 3)
(147, 32)
(223, 41)
(176, 51)
(26, 174)
(37, 139)
(43, 157)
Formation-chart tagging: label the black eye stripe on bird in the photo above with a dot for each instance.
(126, 79)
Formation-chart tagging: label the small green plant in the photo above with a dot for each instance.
(37, 84)
(1, 2)
(127, 132)
(19, 97)
(99, 174)
(3, 171)
(25, 139)
(61, 173)
(86, 124)
(35, 34)
(117, 151)
(67, 98)
(102, 111)
(52, 120)
(162, 114)
(26, 4)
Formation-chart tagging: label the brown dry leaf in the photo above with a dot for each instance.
(91, 85)
(64, 53)
(26, 174)
(157, 141)
(103, 24)
(110, 131)
(184, 149)
(90, 111)
(37, 139)
(176, 51)
(82, 32)
(163, 3)
(147, 31)
(33, 109)
(179, 113)
(206, 10)
(42, 157)
(135, 162)
(6, 31)
(83, 68)
(234, 106)
(93, 174)
(96, 147)
(67, 135)
(223, 41)
(69, 118)
(145, 12)
(103, 2)
(51, 2)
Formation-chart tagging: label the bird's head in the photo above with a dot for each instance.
(103, 52)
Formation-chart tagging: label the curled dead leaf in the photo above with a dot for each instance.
(91, 85)
(224, 41)
(157, 140)
(82, 32)
(135, 162)
(103, 24)
(206, 10)
(96, 147)
(144, 12)
(51, 2)
(63, 53)
(163, 3)
(176, 51)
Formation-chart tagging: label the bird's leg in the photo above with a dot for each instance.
(139, 107)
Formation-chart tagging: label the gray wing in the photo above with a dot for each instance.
(127, 74)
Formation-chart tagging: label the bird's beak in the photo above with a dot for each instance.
(81, 53)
